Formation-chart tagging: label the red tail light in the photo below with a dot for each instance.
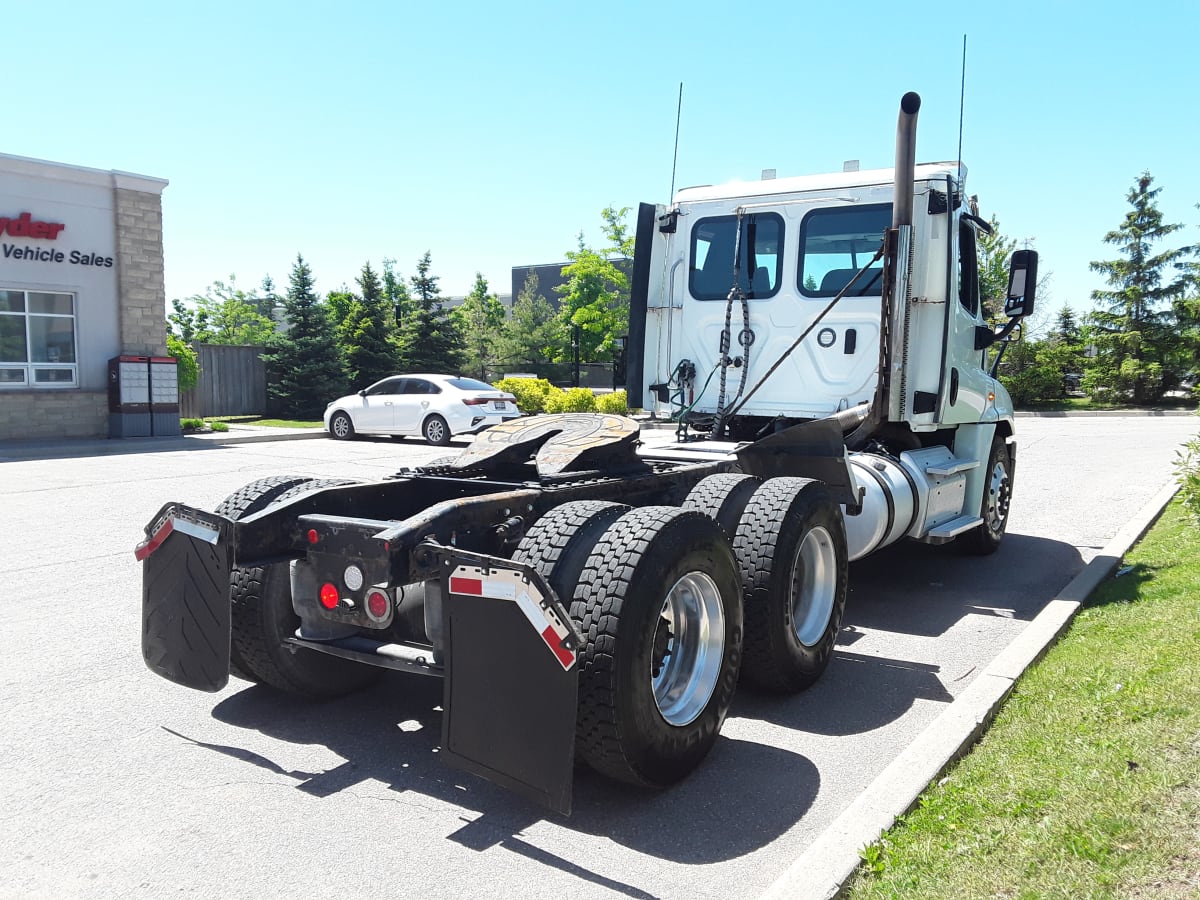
(477, 401)
(329, 596)
(378, 604)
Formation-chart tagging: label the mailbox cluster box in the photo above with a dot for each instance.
(143, 396)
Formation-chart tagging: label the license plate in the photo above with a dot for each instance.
(498, 404)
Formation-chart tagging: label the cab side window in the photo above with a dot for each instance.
(968, 268)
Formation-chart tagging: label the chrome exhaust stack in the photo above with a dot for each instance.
(897, 246)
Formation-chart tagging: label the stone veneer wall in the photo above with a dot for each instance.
(140, 287)
(53, 414)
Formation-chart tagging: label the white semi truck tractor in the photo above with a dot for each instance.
(820, 346)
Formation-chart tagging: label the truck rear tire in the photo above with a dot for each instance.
(791, 549)
(561, 541)
(997, 493)
(254, 497)
(659, 608)
(723, 498)
(263, 620)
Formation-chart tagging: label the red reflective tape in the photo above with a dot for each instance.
(554, 642)
(472, 586)
(145, 549)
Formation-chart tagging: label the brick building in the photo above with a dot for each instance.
(81, 282)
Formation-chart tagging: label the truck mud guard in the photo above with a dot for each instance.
(512, 680)
(185, 596)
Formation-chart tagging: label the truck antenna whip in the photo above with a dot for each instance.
(675, 158)
(962, 93)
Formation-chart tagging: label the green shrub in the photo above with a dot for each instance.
(1187, 469)
(218, 426)
(191, 424)
(614, 403)
(187, 364)
(531, 393)
(571, 400)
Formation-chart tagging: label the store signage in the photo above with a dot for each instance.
(24, 226)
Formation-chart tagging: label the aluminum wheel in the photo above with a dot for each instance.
(995, 505)
(689, 646)
(814, 585)
(341, 426)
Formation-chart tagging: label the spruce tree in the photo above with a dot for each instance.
(395, 293)
(533, 337)
(1137, 347)
(480, 320)
(428, 340)
(306, 366)
(365, 335)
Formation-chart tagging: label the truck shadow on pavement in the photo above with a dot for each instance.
(746, 795)
(391, 734)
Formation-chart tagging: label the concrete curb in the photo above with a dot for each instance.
(821, 870)
(67, 448)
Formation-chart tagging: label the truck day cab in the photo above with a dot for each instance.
(820, 344)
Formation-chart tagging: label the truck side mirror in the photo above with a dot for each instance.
(1022, 284)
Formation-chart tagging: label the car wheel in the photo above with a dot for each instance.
(341, 428)
(436, 431)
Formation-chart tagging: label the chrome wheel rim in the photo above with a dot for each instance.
(995, 509)
(814, 585)
(341, 426)
(434, 431)
(688, 648)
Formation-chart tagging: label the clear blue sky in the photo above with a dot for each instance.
(491, 134)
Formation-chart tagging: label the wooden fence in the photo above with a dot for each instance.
(233, 382)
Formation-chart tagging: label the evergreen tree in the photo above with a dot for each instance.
(305, 365)
(480, 320)
(428, 340)
(265, 301)
(534, 336)
(1066, 328)
(365, 335)
(395, 293)
(1137, 347)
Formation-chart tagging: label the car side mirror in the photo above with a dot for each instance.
(363, 392)
(1022, 284)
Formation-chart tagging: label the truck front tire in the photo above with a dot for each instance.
(993, 509)
(791, 550)
(659, 608)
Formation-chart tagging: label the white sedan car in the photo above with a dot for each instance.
(433, 406)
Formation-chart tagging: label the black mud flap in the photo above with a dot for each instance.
(185, 596)
(511, 680)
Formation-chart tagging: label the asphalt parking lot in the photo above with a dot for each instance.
(121, 784)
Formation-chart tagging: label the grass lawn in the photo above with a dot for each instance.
(1087, 404)
(1088, 782)
(270, 423)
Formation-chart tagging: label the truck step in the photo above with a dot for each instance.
(954, 527)
(952, 467)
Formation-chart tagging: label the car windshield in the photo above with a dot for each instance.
(470, 384)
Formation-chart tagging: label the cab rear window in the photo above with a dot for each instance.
(760, 253)
(835, 243)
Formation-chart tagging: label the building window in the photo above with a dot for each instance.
(37, 339)
(835, 243)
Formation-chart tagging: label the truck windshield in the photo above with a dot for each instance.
(711, 272)
(835, 243)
